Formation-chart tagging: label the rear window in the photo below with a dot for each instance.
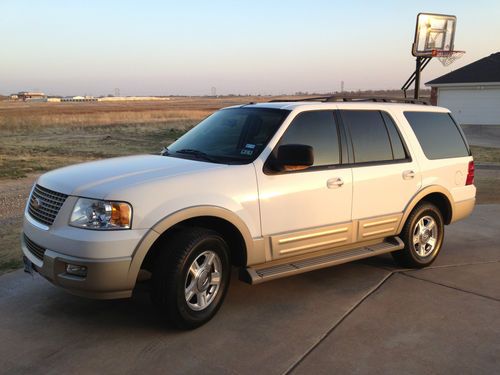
(438, 135)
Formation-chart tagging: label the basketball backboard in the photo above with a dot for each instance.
(434, 32)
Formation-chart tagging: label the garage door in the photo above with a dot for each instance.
(472, 106)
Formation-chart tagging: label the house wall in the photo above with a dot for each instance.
(476, 105)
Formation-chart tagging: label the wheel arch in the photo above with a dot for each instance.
(436, 195)
(221, 220)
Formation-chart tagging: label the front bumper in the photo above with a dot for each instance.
(108, 256)
(105, 279)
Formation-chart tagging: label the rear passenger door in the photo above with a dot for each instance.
(385, 177)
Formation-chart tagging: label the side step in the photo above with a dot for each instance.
(259, 275)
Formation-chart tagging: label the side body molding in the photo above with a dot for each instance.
(254, 248)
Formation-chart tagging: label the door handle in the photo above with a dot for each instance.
(334, 183)
(408, 175)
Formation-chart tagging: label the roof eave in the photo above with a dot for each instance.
(461, 84)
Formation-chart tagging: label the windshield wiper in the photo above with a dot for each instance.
(199, 154)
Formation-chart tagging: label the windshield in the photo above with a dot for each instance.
(232, 136)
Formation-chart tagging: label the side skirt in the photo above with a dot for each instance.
(260, 273)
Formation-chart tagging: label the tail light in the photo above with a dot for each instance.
(470, 174)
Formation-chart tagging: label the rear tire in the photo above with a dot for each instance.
(191, 276)
(423, 235)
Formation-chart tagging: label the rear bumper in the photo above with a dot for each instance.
(463, 209)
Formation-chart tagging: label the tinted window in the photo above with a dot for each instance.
(316, 129)
(398, 150)
(230, 135)
(369, 136)
(438, 134)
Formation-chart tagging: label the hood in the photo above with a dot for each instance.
(100, 178)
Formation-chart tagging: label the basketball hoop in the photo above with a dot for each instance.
(434, 37)
(447, 57)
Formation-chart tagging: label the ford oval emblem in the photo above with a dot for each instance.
(36, 202)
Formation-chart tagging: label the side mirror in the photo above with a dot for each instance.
(295, 157)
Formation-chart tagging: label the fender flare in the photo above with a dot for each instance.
(176, 217)
(422, 194)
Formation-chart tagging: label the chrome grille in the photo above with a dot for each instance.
(45, 204)
(33, 248)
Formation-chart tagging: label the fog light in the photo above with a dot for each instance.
(73, 269)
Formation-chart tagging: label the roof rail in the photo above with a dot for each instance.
(343, 98)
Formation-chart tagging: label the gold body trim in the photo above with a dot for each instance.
(312, 235)
(309, 240)
(379, 226)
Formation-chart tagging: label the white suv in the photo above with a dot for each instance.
(275, 188)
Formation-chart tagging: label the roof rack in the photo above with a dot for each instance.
(343, 98)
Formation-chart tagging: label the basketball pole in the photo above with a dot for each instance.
(417, 77)
(422, 64)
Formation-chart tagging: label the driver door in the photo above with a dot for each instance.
(308, 210)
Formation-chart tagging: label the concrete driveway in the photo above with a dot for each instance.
(364, 317)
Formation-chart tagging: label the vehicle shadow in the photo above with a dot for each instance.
(383, 261)
(135, 313)
(243, 303)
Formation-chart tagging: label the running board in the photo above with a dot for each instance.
(259, 275)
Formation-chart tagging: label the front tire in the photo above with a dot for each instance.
(423, 235)
(191, 276)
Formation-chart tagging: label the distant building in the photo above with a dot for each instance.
(79, 99)
(131, 98)
(31, 96)
(41, 97)
(472, 93)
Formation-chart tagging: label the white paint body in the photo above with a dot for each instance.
(158, 186)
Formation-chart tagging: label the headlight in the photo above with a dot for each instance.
(98, 214)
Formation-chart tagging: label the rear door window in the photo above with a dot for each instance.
(398, 150)
(370, 139)
(438, 135)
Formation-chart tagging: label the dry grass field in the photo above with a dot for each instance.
(36, 137)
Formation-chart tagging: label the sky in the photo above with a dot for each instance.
(239, 47)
